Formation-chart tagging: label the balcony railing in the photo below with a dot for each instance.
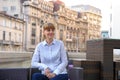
(5, 42)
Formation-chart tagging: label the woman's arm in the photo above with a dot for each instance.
(36, 59)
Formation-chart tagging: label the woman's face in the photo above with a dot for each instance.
(49, 33)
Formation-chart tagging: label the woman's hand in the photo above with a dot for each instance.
(47, 71)
(51, 75)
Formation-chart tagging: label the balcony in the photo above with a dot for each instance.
(17, 43)
(69, 40)
(5, 42)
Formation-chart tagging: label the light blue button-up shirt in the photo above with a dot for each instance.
(52, 56)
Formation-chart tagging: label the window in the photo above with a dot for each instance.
(5, 8)
(61, 34)
(20, 38)
(3, 35)
(13, 8)
(33, 41)
(33, 32)
(10, 36)
(33, 24)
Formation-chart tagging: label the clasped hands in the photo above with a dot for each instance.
(49, 74)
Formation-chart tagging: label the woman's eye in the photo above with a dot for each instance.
(48, 30)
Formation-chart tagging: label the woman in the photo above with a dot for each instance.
(50, 57)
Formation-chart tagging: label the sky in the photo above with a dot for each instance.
(103, 5)
(116, 20)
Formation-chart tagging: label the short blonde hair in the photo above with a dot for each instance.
(48, 26)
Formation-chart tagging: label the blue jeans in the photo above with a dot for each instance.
(39, 76)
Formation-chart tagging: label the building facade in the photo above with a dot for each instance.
(11, 33)
(93, 17)
(72, 27)
(12, 7)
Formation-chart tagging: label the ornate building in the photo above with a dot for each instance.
(69, 26)
(93, 17)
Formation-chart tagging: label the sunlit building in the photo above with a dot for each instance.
(11, 33)
(93, 17)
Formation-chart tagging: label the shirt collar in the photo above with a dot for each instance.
(45, 43)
